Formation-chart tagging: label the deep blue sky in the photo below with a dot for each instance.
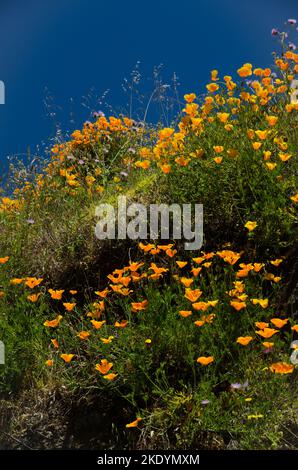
(70, 46)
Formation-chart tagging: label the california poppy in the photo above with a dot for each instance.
(121, 324)
(67, 357)
(250, 225)
(185, 313)
(278, 322)
(53, 323)
(244, 340)
(281, 368)
(83, 335)
(193, 295)
(56, 294)
(33, 282)
(133, 424)
(139, 306)
(237, 305)
(69, 306)
(110, 376)
(267, 332)
(107, 340)
(104, 366)
(204, 361)
(55, 343)
(98, 324)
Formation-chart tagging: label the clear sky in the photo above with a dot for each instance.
(70, 46)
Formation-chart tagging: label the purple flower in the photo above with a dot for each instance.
(81, 162)
(292, 21)
(239, 386)
(274, 32)
(205, 402)
(30, 221)
(292, 46)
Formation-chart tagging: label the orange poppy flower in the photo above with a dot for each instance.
(134, 266)
(276, 262)
(281, 368)
(270, 166)
(262, 134)
(55, 343)
(257, 145)
(102, 293)
(272, 120)
(267, 332)
(257, 267)
(104, 366)
(237, 305)
(212, 87)
(229, 256)
(199, 323)
(56, 294)
(16, 281)
(278, 322)
(110, 376)
(67, 357)
(49, 362)
(53, 323)
(165, 168)
(189, 98)
(98, 324)
(261, 325)
(262, 302)
(33, 297)
(73, 292)
(181, 264)
(121, 324)
(134, 424)
(199, 259)
(244, 340)
(139, 306)
(185, 313)
(83, 335)
(146, 248)
(157, 270)
(295, 328)
(4, 259)
(144, 164)
(69, 306)
(171, 253)
(192, 295)
(200, 306)
(204, 361)
(107, 340)
(196, 271)
(250, 225)
(187, 282)
(33, 282)
(245, 70)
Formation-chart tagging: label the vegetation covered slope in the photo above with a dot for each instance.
(175, 349)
